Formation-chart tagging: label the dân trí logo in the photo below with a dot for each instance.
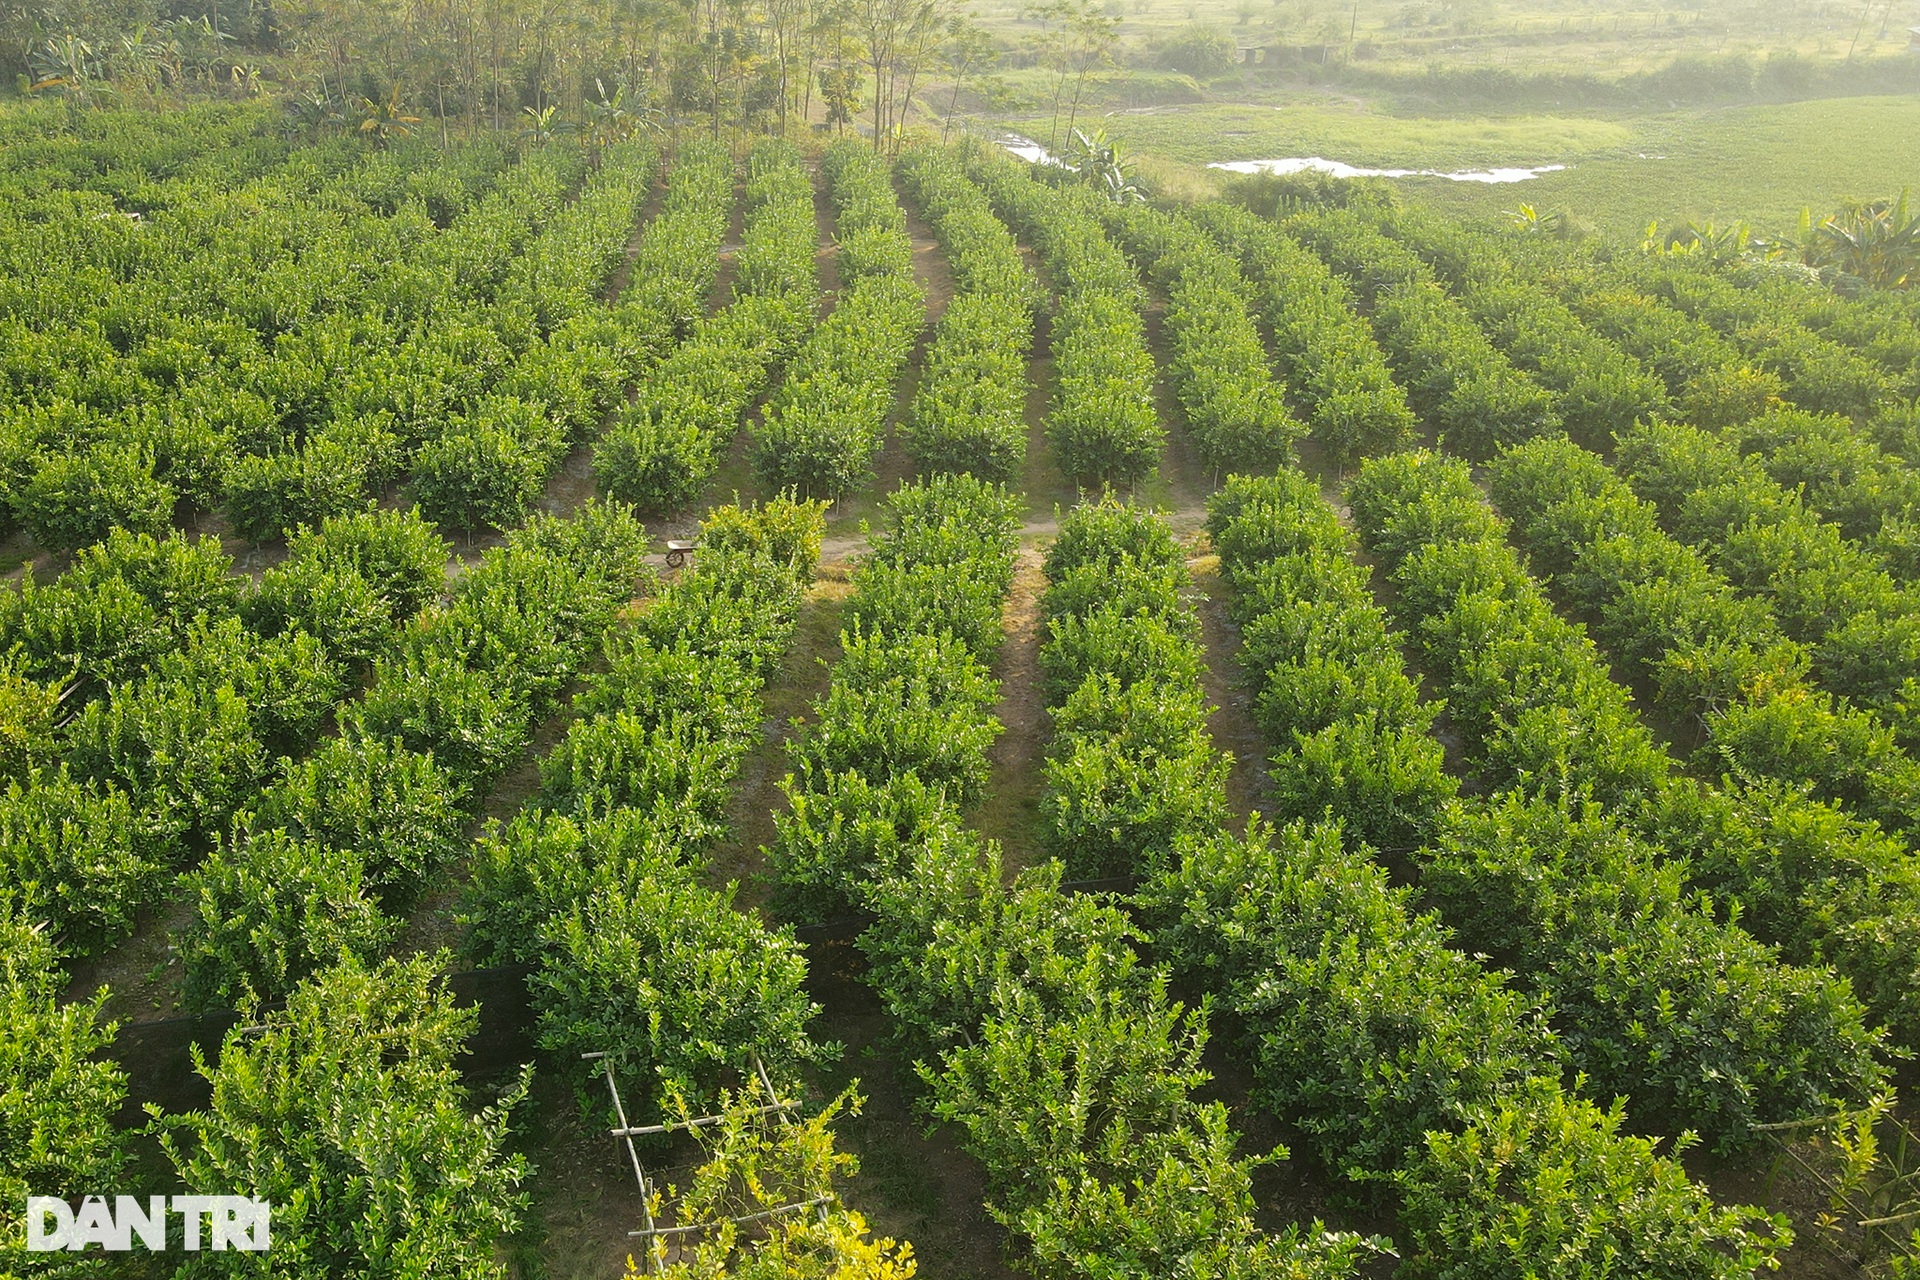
(217, 1222)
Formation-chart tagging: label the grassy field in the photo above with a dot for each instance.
(1758, 163)
(1763, 164)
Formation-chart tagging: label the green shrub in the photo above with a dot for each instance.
(539, 866)
(673, 769)
(488, 471)
(336, 606)
(843, 830)
(1695, 1023)
(897, 705)
(683, 989)
(288, 682)
(658, 463)
(74, 500)
(333, 474)
(1367, 1028)
(397, 552)
(27, 711)
(271, 910)
(187, 756)
(656, 685)
(58, 1093)
(79, 854)
(400, 811)
(346, 1114)
(434, 705)
(1547, 1185)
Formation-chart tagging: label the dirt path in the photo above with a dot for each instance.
(1249, 789)
(910, 1186)
(1010, 811)
(730, 239)
(788, 697)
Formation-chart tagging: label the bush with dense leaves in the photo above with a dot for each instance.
(1548, 1185)
(58, 1098)
(1102, 422)
(271, 910)
(347, 1115)
(684, 989)
(79, 854)
(487, 471)
(1132, 768)
(400, 811)
(969, 410)
(823, 428)
(77, 499)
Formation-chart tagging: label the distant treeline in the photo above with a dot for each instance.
(1686, 81)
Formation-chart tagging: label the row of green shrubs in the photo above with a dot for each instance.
(1233, 406)
(599, 886)
(1882, 325)
(1102, 423)
(667, 443)
(1323, 347)
(1677, 627)
(1822, 884)
(1463, 389)
(1421, 1080)
(1132, 769)
(1845, 477)
(1421, 1076)
(1660, 998)
(1598, 389)
(673, 268)
(1818, 373)
(150, 690)
(821, 432)
(1059, 1056)
(469, 368)
(1861, 626)
(323, 854)
(969, 411)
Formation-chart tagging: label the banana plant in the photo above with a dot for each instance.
(1535, 221)
(541, 127)
(1100, 164)
(1877, 241)
(1709, 240)
(383, 121)
(70, 65)
(313, 111)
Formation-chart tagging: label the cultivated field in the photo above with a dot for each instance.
(1329, 738)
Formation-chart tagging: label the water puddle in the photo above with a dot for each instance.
(1338, 169)
(1019, 144)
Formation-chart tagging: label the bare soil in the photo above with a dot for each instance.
(788, 699)
(1010, 812)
